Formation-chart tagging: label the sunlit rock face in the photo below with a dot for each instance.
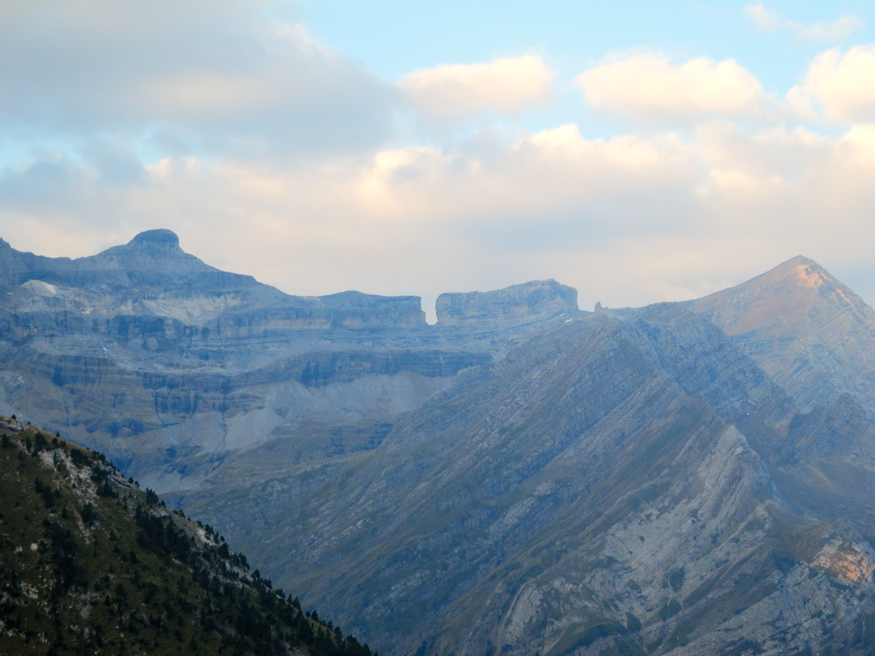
(807, 330)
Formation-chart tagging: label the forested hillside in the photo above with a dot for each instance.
(91, 564)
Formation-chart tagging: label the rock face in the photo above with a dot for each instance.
(807, 330)
(605, 488)
(532, 301)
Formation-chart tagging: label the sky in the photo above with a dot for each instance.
(638, 151)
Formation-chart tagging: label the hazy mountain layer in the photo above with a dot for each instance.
(152, 277)
(172, 367)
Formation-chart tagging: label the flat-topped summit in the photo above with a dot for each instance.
(533, 300)
(160, 238)
(141, 252)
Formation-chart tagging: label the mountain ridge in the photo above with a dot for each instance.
(522, 477)
(186, 366)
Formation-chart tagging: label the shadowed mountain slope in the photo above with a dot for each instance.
(807, 330)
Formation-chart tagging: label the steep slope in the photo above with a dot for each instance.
(89, 564)
(828, 469)
(807, 330)
(594, 492)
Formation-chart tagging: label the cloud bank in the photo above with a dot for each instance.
(459, 91)
(647, 87)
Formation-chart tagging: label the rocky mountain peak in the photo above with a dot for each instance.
(153, 252)
(784, 296)
(804, 327)
(150, 245)
(801, 275)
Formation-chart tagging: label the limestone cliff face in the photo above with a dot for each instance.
(605, 488)
(531, 301)
(170, 365)
(807, 330)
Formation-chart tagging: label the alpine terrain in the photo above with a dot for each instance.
(521, 478)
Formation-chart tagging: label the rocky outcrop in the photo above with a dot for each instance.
(532, 301)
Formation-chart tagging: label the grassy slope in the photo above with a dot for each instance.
(90, 564)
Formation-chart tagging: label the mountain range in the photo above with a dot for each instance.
(522, 477)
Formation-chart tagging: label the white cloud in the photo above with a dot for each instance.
(213, 77)
(459, 91)
(769, 20)
(647, 87)
(841, 84)
(764, 18)
(553, 174)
